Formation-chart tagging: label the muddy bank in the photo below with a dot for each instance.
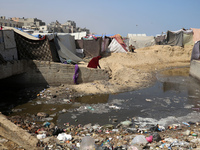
(128, 71)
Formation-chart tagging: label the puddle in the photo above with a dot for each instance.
(175, 97)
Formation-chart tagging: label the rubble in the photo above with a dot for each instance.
(124, 136)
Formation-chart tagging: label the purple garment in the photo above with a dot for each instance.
(75, 77)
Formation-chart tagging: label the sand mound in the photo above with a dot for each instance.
(135, 70)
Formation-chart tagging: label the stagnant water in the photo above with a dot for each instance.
(174, 98)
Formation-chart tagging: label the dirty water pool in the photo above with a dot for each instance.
(174, 98)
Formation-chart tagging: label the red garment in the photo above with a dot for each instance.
(94, 62)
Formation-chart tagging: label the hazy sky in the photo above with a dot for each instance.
(110, 16)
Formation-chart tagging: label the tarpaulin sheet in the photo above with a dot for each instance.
(66, 49)
(188, 38)
(115, 47)
(68, 41)
(196, 34)
(79, 44)
(105, 43)
(120, 41)
(195, 51)
(175, 38)
(160, 40)
(92, 47)
(141, 41)
(78, 35)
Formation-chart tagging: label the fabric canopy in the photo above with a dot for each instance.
(175, 38)
(115, 47)
(196, 34)
(195, 51)
(119, 39)
(65, 45)
(141, 41)
(180, 38)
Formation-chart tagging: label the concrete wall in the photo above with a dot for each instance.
(46, 72)
(195, 69)
(16, 134)
(9, 69)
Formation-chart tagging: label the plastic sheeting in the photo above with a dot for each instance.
(141, 41)
(115, 47)
(188, 38)
(120, 41)
(160, 40)
(196, 34)
(175, 38)
(195, 51)
(92, 48)
(66, 48)
(79, 35)
(180, 37)
(105, 43)
(17, 30)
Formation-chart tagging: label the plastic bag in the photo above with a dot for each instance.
(64, 137)
(87, 143)
(139, 139)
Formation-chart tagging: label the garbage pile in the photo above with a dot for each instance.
(124, 136)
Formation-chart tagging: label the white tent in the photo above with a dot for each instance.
(115, 47)
(141, 41)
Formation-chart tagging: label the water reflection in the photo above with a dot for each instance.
(175, 94)
(93, 99)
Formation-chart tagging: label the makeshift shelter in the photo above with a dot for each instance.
(33, 49)
(117, 45)
(188, 37)
(91, 47)
(106, 40)
(77, 36)
(49, 48)
(196, 51)
(196, 34)
(66, 48)
(119, 39)
(160, 40)
(140, 41)
(105, 43)
(179, 38)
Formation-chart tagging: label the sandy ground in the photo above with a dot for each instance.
(130, 71)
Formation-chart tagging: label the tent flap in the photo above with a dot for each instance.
(66, 53)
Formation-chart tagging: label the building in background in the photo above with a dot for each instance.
(30, 23)
(34, 25)
(9, 22)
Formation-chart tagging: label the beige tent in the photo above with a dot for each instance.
(141, 40)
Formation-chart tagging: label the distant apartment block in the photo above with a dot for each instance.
(9, 22)
(30, 23)
(39, 26)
